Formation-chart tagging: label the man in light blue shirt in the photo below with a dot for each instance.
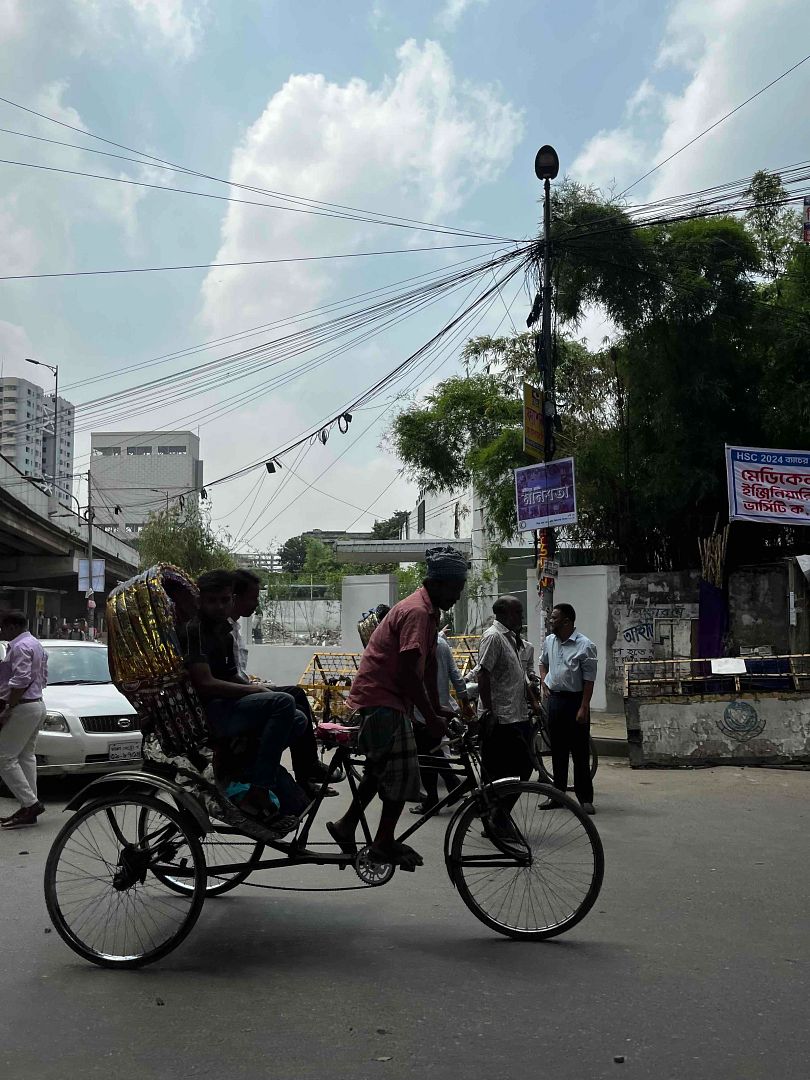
(568, 671)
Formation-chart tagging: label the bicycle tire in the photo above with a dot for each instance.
(216, 852)
(68, 907)
(565, 861)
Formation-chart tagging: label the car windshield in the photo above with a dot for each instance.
(72, 665)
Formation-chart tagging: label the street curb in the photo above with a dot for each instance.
(610, 747)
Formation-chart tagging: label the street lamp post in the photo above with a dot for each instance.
(54, 369)
(546, 167)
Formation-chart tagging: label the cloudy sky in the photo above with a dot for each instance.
(424, 110)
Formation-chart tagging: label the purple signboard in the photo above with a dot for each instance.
(546, 495)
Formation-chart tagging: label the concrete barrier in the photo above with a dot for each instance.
(747, 729)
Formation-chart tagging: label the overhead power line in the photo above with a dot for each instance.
(716, 123)
(307, 205)
(242, 262)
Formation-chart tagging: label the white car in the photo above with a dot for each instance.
(90, 727)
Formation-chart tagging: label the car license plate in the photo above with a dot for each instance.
(125, 751)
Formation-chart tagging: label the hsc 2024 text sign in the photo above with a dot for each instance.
(769, 486)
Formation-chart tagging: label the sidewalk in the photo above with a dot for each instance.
(609, 733)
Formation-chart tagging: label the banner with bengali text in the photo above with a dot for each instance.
(769, 486)
(546, 495)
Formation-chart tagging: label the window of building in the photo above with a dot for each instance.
(106, 451)
(420, 517)
(172, 450)
(139, 451)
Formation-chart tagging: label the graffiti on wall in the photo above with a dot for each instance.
(642, 627)
(740, 721)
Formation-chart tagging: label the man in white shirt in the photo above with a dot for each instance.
(502, 694)
(568, 670)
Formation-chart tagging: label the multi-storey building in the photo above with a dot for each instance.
(27, 418)
(141, 472)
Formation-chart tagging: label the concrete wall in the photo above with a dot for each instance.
(650, 617)
(284, 664)
(758, 608)
(303, 617)
(361, 592)
(750, 729)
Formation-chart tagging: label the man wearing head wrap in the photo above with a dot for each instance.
(397, 674)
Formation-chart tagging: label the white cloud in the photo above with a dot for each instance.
(452, 12)
(15, 345)
(19, 246)
(170, 25)
(176, 22)
(416, 146)
(11, 19)
(725, 50)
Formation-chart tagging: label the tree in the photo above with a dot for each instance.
(184, 538)
(390, 528)
(293, 554)
(705, 353)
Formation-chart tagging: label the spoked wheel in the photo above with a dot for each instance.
(541, 757)
(105, 881)
(526, 870)
(223, 846)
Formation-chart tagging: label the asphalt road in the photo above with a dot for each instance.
(694, 962)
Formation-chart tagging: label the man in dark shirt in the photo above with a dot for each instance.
(233, 708)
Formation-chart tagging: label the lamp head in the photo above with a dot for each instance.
(546, 163)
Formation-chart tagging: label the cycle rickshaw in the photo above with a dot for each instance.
(127, 876)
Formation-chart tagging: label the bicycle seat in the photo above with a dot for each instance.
(332, 734)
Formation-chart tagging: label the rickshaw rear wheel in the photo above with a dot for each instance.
(103, 886)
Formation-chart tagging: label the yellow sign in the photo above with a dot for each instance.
(40, 604)
(533, 421)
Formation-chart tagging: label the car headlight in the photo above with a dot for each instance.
(54, 721)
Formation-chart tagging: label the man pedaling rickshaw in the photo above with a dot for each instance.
(398, 673)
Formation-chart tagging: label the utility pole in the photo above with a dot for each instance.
(546, 167)
(55, 477)
(91, 603)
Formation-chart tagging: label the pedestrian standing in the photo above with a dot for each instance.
(502, 693)
(23, 675)
(568, 671)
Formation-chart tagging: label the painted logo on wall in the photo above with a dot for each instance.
(740, 721)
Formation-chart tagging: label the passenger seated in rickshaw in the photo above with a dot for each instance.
(309, 770)
(234, 709)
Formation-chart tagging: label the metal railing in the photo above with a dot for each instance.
(684, 678)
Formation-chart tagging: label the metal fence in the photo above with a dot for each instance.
(683, 678)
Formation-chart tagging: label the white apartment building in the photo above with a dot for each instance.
(142, 472)
(27, 433)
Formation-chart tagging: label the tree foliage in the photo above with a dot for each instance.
(711, 319)
(293, 554)
(186, 539)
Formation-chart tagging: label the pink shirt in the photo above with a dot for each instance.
(412, 624)
(24, 665)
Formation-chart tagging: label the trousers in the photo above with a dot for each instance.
(569, 739)
(505, 751)
(18, 763)
(271, 717)
(304, 747)
(436, 767)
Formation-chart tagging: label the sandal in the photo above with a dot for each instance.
(348, 847)
(402, 856)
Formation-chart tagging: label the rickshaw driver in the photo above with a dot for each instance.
(397, 673)
(234, 708)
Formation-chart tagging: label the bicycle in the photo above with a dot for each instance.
(127, 876)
